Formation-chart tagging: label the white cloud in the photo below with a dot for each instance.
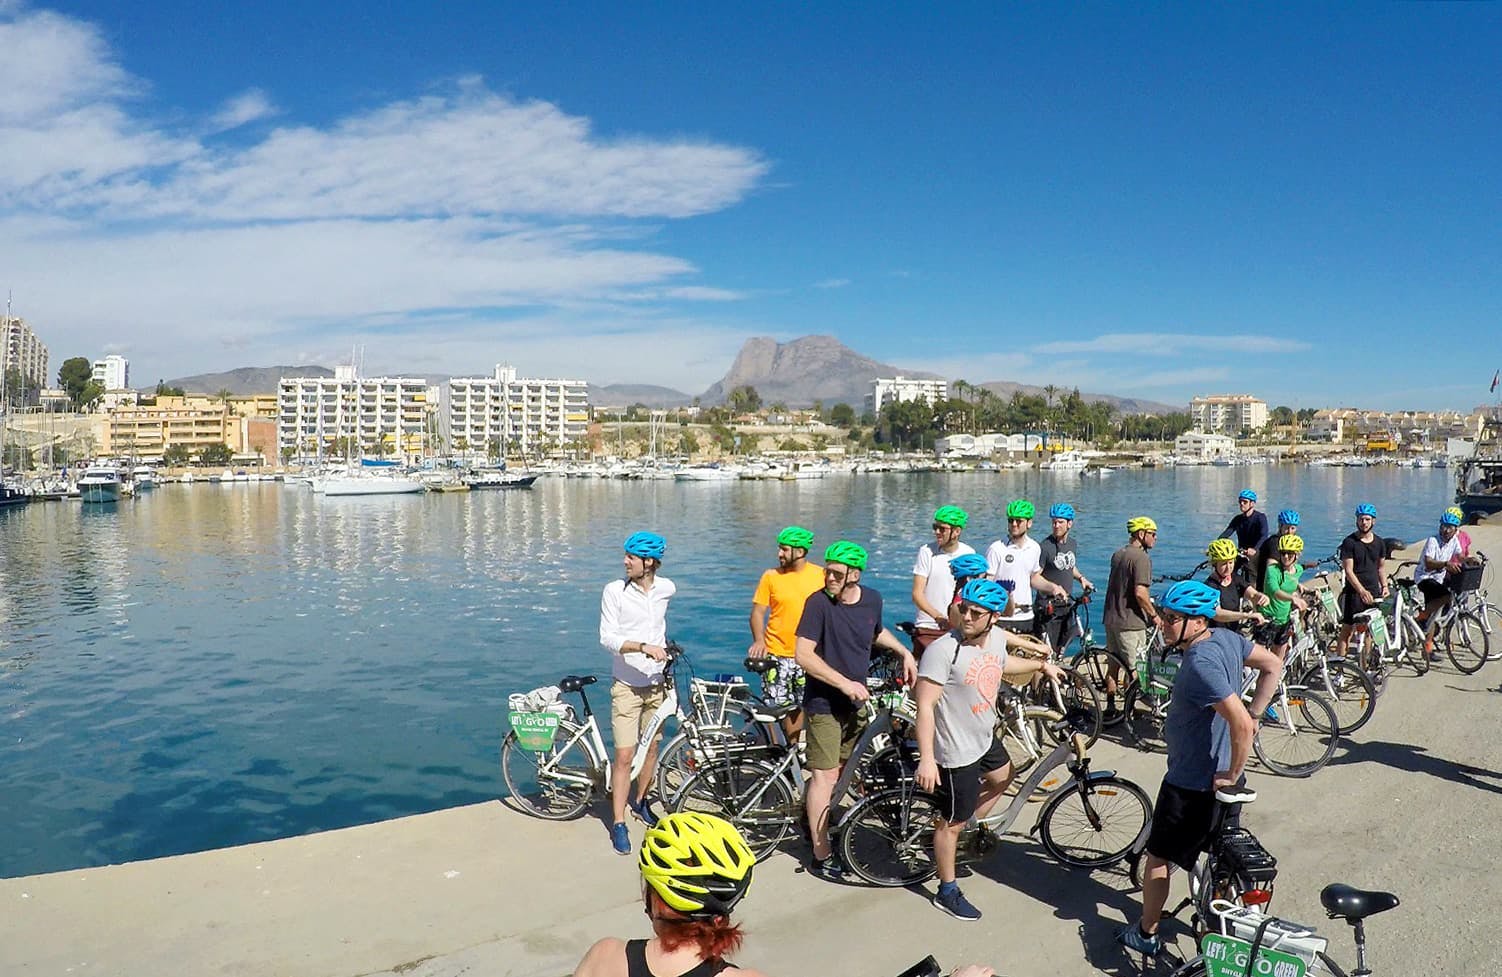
(466, 225)
(241, 110)
(1170, 344)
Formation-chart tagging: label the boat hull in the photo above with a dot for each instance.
(346, 487)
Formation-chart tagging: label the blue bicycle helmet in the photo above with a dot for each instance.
(648, 546)
(986, 593)
(1288, 517)
(1061, 510)
(1191, 598)
(968, 565)
(1449, 519)
(1248, 495)
(1366, 509)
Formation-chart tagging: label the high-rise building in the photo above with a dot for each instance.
(515, 415)
(112, 372)
(380, 416)
(887, 390)
(20, 349)
(1228, 413)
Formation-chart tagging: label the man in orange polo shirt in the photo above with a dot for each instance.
(775, 610)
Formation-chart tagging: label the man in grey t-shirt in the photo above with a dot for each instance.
(959, 754)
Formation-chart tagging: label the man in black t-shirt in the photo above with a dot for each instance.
(1361, 557)
(1059, 562)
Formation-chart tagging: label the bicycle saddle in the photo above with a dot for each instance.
(1343, 901)
(761, 665)
(768, 713)
(1236, 795)
(573, 683)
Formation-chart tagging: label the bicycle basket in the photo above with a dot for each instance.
(1469, 578)
(547, 699)
(1162, 672)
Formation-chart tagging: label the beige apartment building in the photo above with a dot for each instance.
(1228, 413)
(516, 415)
(192, 423)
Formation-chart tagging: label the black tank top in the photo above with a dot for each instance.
(636, 963)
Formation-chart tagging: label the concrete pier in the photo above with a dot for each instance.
(1410, 805)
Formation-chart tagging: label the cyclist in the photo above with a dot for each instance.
(1248, 526)
(1284, 592)
(1233, 590)
(775, 609)
(634, 629)
(964, 568)
(1441, 558)
(933, 583)
(835, 639)
(1209, 736)
(1362, 555)
(1017, 560)
(1129, 611)
(1462, 535)
(960, 755)
(1267, 553)
(1059, 554)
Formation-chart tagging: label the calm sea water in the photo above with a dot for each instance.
(215, 665)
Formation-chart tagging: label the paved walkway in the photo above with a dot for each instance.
(1412, 805)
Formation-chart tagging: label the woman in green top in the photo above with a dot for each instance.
(1281, 585)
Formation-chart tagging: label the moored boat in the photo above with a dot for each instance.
(100, 483)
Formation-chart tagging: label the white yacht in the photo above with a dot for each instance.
(144, 477)
(99, 483)
(344, 485)
(1066, 461)
(707, 473)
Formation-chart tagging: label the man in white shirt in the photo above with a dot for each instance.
(1441, 557)
(1017, 561)
(933, 584)
(634, 629)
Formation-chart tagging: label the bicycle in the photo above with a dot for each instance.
(886, 839)
(1466, 638)
(553, 764)
(1344, 686)
(1476, 601)
(1373, 645)
(1251, 942)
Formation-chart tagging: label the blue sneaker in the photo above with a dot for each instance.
(1271, 715)
(829, 869)
(643, 811)
(950, 899)
(620, 838)
(1132, 937)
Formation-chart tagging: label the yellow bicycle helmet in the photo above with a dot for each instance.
(1137, 524)
(698, 863)
(1290, 543)
(1221, 550)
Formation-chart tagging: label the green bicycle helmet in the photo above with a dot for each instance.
(1020, 509)
(951, 515)
(796, 536)
(845, 552)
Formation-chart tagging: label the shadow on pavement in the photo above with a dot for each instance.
(1416, 759)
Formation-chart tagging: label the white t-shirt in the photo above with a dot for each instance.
(939, 590)
(1435, 550)
(965, 715)
(1016, 564)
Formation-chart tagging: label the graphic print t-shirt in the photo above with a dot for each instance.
(965, 717)
(1058, 561)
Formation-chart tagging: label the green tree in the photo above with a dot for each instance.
(91, 392)
(288, 453)
(215, 454)
(688, 444)
(162, 390)
(20, 389)
(73, 376)
(1282, 415)
(778, 407)
(818, 442)
(176, 454)
(842, 415)
(791, 444)
(744, 399)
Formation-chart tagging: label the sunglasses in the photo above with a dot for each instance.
(971, 610)
(943, 525)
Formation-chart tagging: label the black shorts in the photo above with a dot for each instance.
(959, 787)
(1434, 589)
(1182, 820)
(1351, 604)
(1057, 628)
(1270, 634)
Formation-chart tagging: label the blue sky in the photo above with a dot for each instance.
(1299, 202)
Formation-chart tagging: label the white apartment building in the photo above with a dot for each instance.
(112, 373)
(1199, 446)
(887, 390)
(376, 415)
(21, 349)
(514, 415)
(1228, 413)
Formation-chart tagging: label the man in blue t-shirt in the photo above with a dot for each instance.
(839, 627)
(1209, 735)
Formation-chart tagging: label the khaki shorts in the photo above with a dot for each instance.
(1127, 646)
(631, 710)
(830, 739)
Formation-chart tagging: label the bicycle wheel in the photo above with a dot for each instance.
(887, 838)
(685, 755)
(1302, 739)
(1466, 642)
(749, 794)
(1346, 688)
(1491, 617)
(1094, 823)
(1414, 655)
(1145, 715)
(1097, 665)
(556, 784)
(1081, 706)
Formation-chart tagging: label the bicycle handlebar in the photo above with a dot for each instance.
(1175, 578)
